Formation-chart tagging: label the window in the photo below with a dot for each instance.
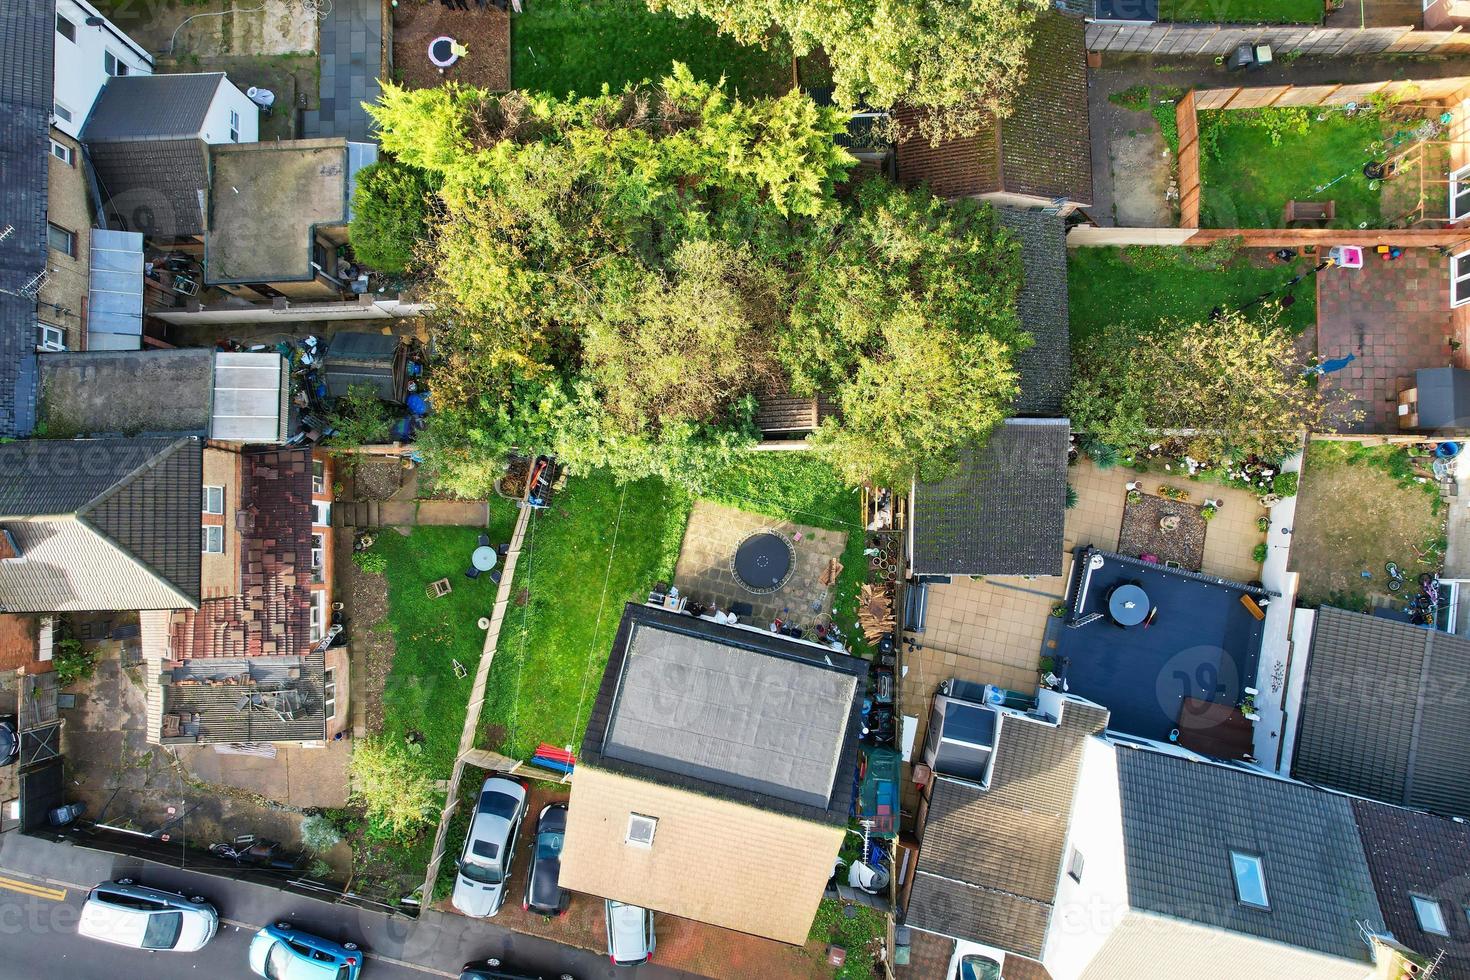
(318, 476)
(1074, 866)
(49, 337)
(214, 539)
(318, 554)
(323, 513)
(234, 126)
(640, 829)
(1460, 279)
(61, 240)
(214, 500)
(61, 112)
(1460, 194)
(1250, 880)
(318, 615)
(1429, 914)
(112, 65)
(329, 693)
(64, 153)
(66, 28)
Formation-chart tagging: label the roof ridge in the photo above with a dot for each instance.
(1412, 758)
(131, 477)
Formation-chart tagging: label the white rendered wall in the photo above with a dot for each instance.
(217, 120)
(80, 65)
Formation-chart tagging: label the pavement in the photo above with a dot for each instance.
(351, 49)
(43, 885)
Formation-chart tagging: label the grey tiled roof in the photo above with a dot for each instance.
(1382, 714)
(151, 107)
(1045, 366)
(1412, 853)
(990, 858)
(102, 523)
(1181, 820)
(27, 42)
(605, 748)
(155, 187)
(1002, 511)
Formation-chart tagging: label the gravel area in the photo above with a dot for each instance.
(1142, 534)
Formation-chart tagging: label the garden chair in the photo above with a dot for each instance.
(472, 572)
(484, 541)
(459, 669)
(439, 589)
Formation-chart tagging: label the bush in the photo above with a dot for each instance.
(1284, 485)
(388, 214)
(318, 833)
(372, 562)
(359, 418)
(1258, 554)
(400, 798)
(71, 662)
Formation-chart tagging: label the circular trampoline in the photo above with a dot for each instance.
(763, 561)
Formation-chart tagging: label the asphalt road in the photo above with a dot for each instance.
(43, 885)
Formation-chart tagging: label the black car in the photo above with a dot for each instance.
(494, 969)
(9, 741)
(544, 893)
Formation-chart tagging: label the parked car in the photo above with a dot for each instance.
(9, 741)
(283, 952)
(972, 961)
(544, 893)
(129, 914)
(630, 937)
(484, 864)
(495, 969)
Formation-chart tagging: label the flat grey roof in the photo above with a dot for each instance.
(128, 392)
(731, 716)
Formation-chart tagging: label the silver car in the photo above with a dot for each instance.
(630, 936)
(129, 914)
(484, 864)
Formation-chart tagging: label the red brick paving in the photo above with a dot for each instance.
(1395, 316)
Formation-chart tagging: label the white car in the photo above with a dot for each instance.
(630, 935)
(484, 864)
(129, 914)
(972, 961)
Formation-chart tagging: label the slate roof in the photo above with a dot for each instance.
(1003, 509)
(990, 859)
(1044, 367)
(101, 523)
(1181, 819)
(1412, 853)
(1042, 149)
(765, 721)
(1382, 714)
(27, 44)
(152, 107)
(155, 187)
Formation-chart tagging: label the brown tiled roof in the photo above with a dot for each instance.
(1042, 149)
(17, 641)
(989, 858)
(272, 615)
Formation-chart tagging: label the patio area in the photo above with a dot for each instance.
(1394, 317)
(705, 575)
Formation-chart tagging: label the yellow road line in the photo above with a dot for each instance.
(33, 890)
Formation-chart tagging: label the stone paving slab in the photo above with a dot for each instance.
(351, 49)
(703, 571)
(456, 513)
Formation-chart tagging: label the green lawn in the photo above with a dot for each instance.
(553, 649)
(561, 46)
(1246, 180)
(422, 693)
(1241, 11)
(1115, 285)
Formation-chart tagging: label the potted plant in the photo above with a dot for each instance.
(1134, 496)
(1263, 524)
(1208, 512)
(1059, 609)
(1248, 707)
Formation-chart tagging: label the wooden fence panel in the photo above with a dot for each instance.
(1222, 39)
(1189, 190)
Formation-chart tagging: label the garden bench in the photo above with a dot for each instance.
(1309, 211)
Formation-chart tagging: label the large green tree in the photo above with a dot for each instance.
(389, 214)
(960, 59)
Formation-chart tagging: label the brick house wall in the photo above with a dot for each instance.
(63, 298)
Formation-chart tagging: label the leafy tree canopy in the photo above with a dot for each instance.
(1233, 386)
(960, 59)
(389, 208)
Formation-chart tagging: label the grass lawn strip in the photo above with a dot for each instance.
(422, 693)
(1241, 12)
(563, 46)
(1246, 180)
(1107, 285)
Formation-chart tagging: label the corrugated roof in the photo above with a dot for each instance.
(152, 107)
(990, 858)
(115, 290)
(1181, 820)
(250, 393)
(27, 44)
(1003, 509)
(1376, 719)
(1044, 368)
(1412, 853)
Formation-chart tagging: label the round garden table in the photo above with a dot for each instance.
(1128, 605)
(763, 561)
(483, 558)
